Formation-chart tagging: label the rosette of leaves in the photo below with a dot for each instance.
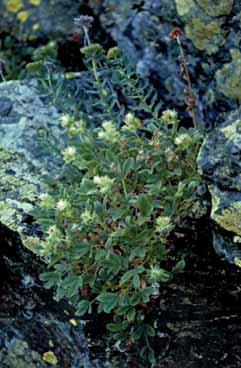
(107, 226)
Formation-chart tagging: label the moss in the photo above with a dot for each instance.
(216, 8)
(229, 76)
(205, 36)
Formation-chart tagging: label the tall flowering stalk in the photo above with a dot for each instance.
(190, 99)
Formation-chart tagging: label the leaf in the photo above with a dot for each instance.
(127, 276)
(137, 252)
(137, 333)
(135, 299)
(136, 281)
(144, 204)
(150, 330)
(151, 357)
(81, 250)
(180, 266)
(131, 314)
(82, 307)
(128, 166)
(50, 279)
(131, 273)
(114, 327)
(72, 284)
(108, 301)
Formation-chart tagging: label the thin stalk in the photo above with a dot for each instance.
(188, 79)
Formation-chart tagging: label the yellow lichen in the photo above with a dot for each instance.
(205, 36)
(14, 6)
(50, 357)
(35, 26)
(229, 76)
(230, 131)
(216, 8)
(35, 2)
(184, 6)
(229, 218)
(23, 16)
(73, 322)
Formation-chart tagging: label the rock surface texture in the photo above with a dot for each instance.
(24, 159)
(211, 43)
(220, 164)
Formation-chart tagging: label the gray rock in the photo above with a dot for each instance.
(141, 29)
(24, 159)
(220, 164)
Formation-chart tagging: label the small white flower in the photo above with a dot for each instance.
(66, 121)
(69, 154)
(46, 201)
(62, 205)
(131, 123)
(169, 117)
(129, 118)
(183, 140)
(105, 183)
(163, 224)
(86, 217)
(109, 133)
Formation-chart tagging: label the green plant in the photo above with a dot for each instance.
(13, 58)
(128, 183)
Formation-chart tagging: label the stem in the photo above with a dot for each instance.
(188, 79)
(124, 187)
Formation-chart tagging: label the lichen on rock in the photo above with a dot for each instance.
(229, 76)
(216, 8)
(220, 164)
(203, 24)
(24, 161)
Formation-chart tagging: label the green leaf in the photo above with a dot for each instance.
(131, 314)
(82, 307)
(151, 357)
(108, 301)
(150, 330)
(131, 273)
(128, 166)
(50, 279)
(136, 281)
(127, 276)
(137, 333)
(72, 284)
(135, 299)
(180, 266)
(137, 252)
(114, 327)
(81, 250)
(144, 204)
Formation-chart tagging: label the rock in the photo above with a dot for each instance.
(24, 159)
(34, 329)
(220, 164)
(28, 20)
(228, 77)
(212, 29)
